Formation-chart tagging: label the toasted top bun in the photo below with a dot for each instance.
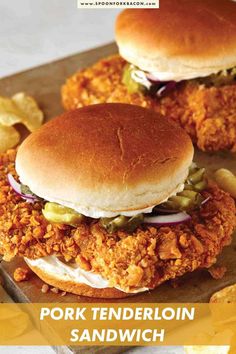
(180, 37)
(111, 157)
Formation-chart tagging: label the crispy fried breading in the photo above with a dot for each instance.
(145, 258)
(207, 114)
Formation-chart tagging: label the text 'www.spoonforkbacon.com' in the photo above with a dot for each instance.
(117, 4)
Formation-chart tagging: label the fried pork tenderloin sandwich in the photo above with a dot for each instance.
(106, 202)
(179, 60)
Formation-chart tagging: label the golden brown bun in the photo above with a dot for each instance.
(180, 36)
(112, 157)
(78, 289)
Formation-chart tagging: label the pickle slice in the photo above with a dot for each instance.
(57, 213)
(134, 222)
(188, 194)
(182, 202)
(224, 77)
(129, 82)
(196, 176)
(114, 224)
(190, 198)
(122, 222)
(200, 186)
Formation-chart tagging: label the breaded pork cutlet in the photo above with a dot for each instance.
(208, 114)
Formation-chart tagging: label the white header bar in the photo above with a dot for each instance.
(117, 4)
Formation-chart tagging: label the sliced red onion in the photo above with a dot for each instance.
(172, 219)
(140, 77)
(169, 86)
(17, 189)
(164, 86)
(153, 78)
(205, 200)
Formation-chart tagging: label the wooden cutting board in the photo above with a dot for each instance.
(44, 83)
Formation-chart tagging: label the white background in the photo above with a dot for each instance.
(33, 32)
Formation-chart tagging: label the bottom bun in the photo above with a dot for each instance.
(78, 288)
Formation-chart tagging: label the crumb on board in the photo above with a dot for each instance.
(45, 288)
(176, 283)
(54, 290)
(21, 274)
(217, 272)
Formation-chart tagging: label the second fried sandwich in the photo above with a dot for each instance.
(179, 60)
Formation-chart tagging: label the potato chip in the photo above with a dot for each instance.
(9, 137)
(18, 109)
(32, 115)
(226, 295)
(226, 180)
(9, 113)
